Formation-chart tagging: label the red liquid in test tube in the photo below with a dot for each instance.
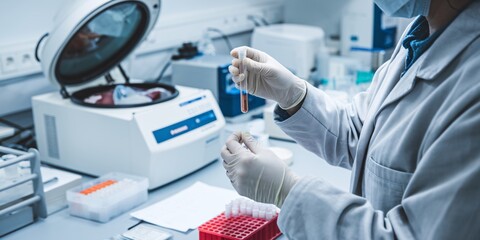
(242, 54)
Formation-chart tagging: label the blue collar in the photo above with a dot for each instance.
(417, 41)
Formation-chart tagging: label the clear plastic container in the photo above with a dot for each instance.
(107, 197)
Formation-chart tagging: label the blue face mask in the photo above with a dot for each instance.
(404, 8)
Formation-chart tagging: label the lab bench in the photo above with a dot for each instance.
(61, 225)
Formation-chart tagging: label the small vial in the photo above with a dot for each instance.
(255, 212)
(227, 210)
(269, 215)
(272, 212)
(243, 208)
(235, 209)
(249, 209)
(235, 212)
(261, 211)
(242, 54)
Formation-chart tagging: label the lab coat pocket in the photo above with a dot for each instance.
(384, 187)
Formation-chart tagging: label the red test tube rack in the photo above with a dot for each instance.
(239, 228)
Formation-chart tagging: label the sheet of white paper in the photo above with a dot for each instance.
(189, 208)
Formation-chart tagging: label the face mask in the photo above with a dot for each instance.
(404, 8)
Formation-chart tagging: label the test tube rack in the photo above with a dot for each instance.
(107, 196)
(239, 228)
(20, 211)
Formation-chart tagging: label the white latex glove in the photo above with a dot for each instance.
(256, 172)
(269, 79)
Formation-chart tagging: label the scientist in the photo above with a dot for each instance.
(412, 140)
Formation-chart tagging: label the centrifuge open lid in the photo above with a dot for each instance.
(91, 38)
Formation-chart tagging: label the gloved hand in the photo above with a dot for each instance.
(256, 172)
(267, 78)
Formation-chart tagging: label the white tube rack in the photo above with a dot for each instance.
(21, 211)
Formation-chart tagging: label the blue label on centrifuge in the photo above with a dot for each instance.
(183, 104)
(185, 126)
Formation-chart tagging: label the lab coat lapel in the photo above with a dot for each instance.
(393, 88)
(403, 86)
(389, 78)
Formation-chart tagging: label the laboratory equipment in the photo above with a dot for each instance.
(355, 28)
(164, 139)
(107, 197)
(243, 86)
(294, 46)
(211, 72)
(241, 227)
(366, 32)
(21, 195)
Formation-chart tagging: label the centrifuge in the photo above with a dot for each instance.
(102, 121)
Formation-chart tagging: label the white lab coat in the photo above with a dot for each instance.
(412, 142)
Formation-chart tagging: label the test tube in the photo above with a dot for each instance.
(235, 209)
(243, 208)
(228, 208)
(249, 209)
(255, 212)
(261, 212)
(268, 215)
(242, 54)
